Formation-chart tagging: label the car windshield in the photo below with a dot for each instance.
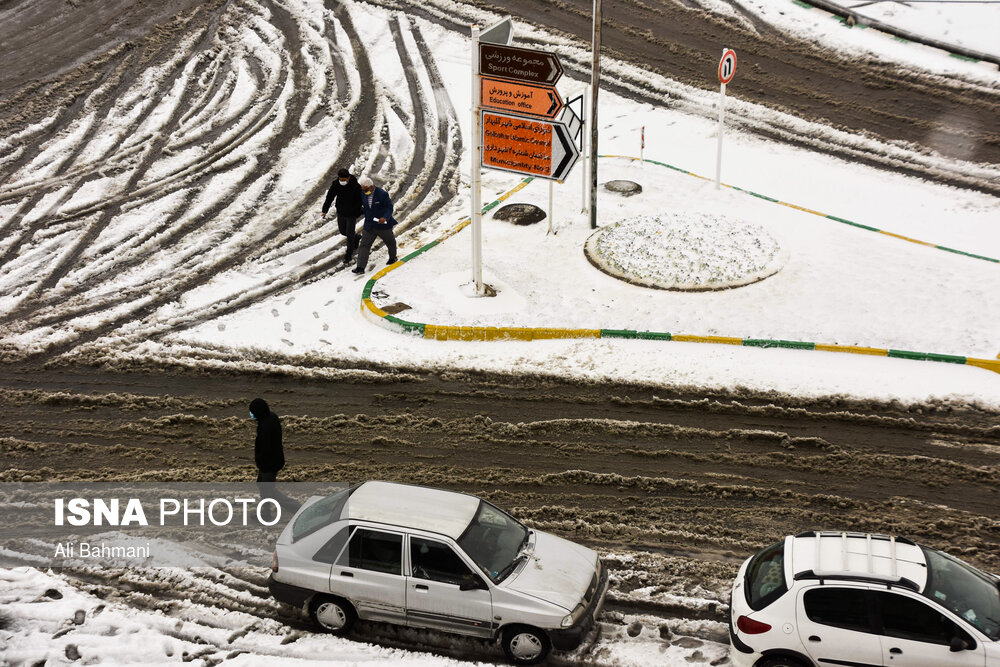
(963, 589)
(493, 540)
(321, 513)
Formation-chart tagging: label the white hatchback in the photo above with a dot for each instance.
(833, 598)
(437, 559)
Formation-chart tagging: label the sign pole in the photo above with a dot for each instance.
(718, 155)
(642, 144)
(595, 85)
(583, 172)
(476, 214)
(550, 208)
(727, 70)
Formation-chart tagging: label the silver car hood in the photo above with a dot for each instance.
(556, 570)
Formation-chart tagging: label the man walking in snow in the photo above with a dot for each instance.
(347, 192)
(269, 454)
(378, 223)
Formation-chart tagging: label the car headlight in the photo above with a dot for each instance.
(572, 618)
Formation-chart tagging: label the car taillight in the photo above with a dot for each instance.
(750, 626)
(274, 562)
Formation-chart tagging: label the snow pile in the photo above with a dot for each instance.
(686, 251)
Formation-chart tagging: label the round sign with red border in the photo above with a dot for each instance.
(727, 66)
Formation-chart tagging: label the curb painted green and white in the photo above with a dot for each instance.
(479, 333)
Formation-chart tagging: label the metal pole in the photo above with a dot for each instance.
(722, 112)
(550, 208)
(642, 145)
(595, 84)
(583, 167)
(474, 172)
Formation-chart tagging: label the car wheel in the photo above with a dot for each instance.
(332, 615)
(525, 645)
(780, 661)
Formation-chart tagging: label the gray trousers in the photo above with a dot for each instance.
(368, 238)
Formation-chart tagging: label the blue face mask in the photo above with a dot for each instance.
(251, 416)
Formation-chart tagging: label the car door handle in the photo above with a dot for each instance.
(814, 638)
(897, 651)
(421, 587)
(347, 574)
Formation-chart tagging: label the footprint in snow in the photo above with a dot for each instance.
(274, 311)
(290, 300)
(222, 327)
(287, 342)
(323, 340)
(288, 327)
(326, 327)
(315, 314)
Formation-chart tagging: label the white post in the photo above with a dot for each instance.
(722, 113)
(584, 171)
(550, 209)
(474, 172)
(595, 89)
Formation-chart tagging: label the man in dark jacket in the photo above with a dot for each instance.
(378, 223)
(269, 454)
(347, 192)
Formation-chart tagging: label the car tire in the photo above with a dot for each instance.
(525, 645)
(332, 614)
(781, 661)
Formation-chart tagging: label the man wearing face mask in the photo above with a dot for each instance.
(347, 192)
(378, 223)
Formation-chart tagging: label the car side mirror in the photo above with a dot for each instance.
(958, 644)
(472, 585)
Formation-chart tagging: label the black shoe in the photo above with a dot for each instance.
(392, 260)
(347, 258)
(357, 271)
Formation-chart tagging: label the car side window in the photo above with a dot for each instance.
(334, 547)
(906, 618)
(437, 561)
(376, 551)
(845, 608)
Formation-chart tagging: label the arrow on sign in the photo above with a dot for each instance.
(522, 98)
(517, 64)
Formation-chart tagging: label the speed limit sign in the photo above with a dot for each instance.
(727, 66)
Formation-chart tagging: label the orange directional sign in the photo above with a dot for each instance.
(546, 149)
(522, 98)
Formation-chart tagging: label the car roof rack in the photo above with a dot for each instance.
(863, 578)
(868, 572)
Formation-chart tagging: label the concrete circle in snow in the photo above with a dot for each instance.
(624, 188)
(520, 214)
(685, 251)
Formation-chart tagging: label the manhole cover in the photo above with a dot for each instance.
(624, 188)
(520, 214)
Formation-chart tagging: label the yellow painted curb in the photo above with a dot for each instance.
(853, 349)
(373, 308)
(724, 340)
(988, 364)
(907, 238)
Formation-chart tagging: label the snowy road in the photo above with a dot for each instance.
(673, 488)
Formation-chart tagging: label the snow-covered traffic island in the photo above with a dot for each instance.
(687, 252)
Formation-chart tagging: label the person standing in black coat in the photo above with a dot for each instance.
(347, 192)
(269, 454)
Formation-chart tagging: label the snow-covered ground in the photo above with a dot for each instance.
(841, 285)
(838, 284)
